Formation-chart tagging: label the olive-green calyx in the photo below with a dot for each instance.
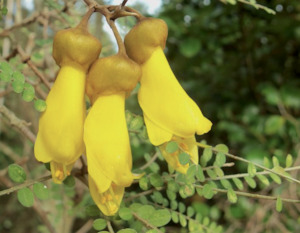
(76, 47)
(144, 37)
(111, 75)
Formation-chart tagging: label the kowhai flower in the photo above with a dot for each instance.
(105, 130)
(60, 136)
(169, 113)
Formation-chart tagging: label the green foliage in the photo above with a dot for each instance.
(99, 224)
(41, 191)
(25, 197)
(16, 173)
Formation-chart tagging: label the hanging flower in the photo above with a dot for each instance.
(169, 113)
(60, 136)
(105, 130)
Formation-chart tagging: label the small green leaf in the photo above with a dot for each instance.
(275, 161)
(125, 213)
(200, 174)
(191, 173)
(289, 160)
(136, 123)
(190, 211)
(156, 180)
(175, 217)
(25, 197)
(211, 173)
(18, 76)
(250, 181)
(92, 211)
(28, 92)
(127, 230)
(16, 173)
(17, 86)
(222, 148)
(171, 195)
(219, 171)
(173, 186)
(172, 147)
(160, 218)
(181, 207)
(41, 191)
(99, 224)
(220, 159)
(182, 220)
(69, 181)
(238, 183)
(145, 211)
(279, 204)
(251, 169)
(206, 156)
(263, 179)
(144, 183)
(267, 163)
(231, 195)
(174, 205)
(184, 158)
(207, 191)
(40, 105)
(5, 67)
(157, 197)
(18, 81)
(275, 178)
(226, 184)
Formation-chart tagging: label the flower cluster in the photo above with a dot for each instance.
(65, 132)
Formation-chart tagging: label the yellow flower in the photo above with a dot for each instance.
(60, 136)
(105, 130)
(169, 113)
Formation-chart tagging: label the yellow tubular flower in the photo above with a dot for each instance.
(169, 113)
(60, 136)
(105, 130)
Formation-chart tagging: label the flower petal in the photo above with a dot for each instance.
(109, 201)
(165, 102)
(61, 125)
(157, 135)
(107, 141)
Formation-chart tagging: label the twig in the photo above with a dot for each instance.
(146, 223)
(224, 165)
(86, 227)
(24, 22)
(247, 161)
(26, 59)
(249, 194)
(24, 185)
(109, 227)
(246, 174)
(17, 123)
(43, 217)
(124, 3)
(154, 157)
(142, 194)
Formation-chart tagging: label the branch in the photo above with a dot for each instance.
(146, 223)
(26, 59)
(246, 174)
(17, 123)
(155, 156)
(247, 161)
(245, 194)
(24, 185)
